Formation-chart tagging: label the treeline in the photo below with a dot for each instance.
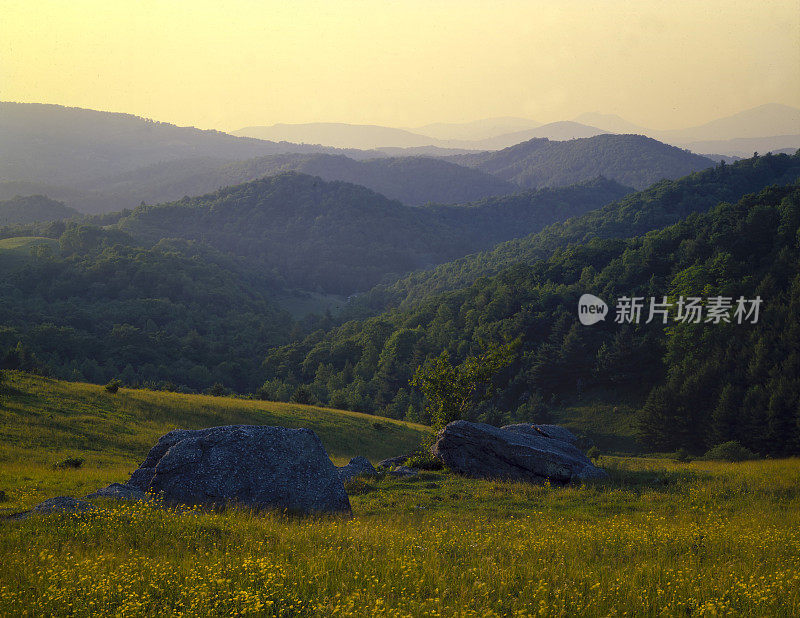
(699, 384)
(100, 304)
(176, 315)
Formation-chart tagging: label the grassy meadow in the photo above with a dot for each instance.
(662, 538)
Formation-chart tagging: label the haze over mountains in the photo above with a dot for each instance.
(763, 125)
(342, 238)
(633, 160)
(341, 135)
(230, 284)
(97, 162)
(55, 144)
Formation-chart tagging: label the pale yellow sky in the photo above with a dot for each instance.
(227, 64)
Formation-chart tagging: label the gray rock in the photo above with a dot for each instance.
(120, 492)
(250, 465)
(65, 504)
(358, 466)
(391, 462)
(483, 451)
(548, 431)
(403, 471)
(59, 504)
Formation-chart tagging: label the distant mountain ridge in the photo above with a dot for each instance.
(33, 208)
(484, 128)
(764, 121)
(411, 180)
(657, 206)
(766, 128)
(342, 238)
(62, 145)
(343, 135)
(633, 160)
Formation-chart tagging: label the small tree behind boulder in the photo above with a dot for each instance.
(450, 391)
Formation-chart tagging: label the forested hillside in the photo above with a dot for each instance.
(633, 160)
(343, 238)
(412, 180)
(662, 204)
(703, 384)
(33, 208)
(95, 306)
(91, 302)
(495, 219)
(66, 145)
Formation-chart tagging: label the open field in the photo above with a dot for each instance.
(661, 539)
(24, 244)
(44, 421)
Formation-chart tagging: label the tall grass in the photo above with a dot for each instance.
(662, 538)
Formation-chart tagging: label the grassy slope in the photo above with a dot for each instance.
(43, 421)
(25, 244)
(662, 538)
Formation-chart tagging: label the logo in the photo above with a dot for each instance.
(591, 309)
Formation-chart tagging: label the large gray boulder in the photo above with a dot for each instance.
(358, 466)
(249, 465)
(118, 491)
(514, 452)
(548, 431)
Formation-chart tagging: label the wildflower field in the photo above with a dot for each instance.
(661, 539)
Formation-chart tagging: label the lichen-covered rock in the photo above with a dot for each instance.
(402, 471)
(119, 492)
(249, 465)
(514, 452)
(62, 504)
(59, 504)
(358, 466)
(391, 462)
(548, 431)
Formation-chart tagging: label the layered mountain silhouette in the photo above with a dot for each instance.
(633, 160)
(662, 204)
(412, 180)
(342, 135)
(341, 238)
(63, 145)
(33, 208)
(762, 122)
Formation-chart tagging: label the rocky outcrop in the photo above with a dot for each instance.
(548, 431)
(59, 504)
(249, 465)
(119, 491)
(516, 452)
(358, 466)
(402, 472)
(391, 462)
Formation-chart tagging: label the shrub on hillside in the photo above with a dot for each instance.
(113, 386)
(729, 451)
(70, 462)
(423, 460)
(303, 395)
(217, 390)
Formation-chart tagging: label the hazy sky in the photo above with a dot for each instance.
(228, 64)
